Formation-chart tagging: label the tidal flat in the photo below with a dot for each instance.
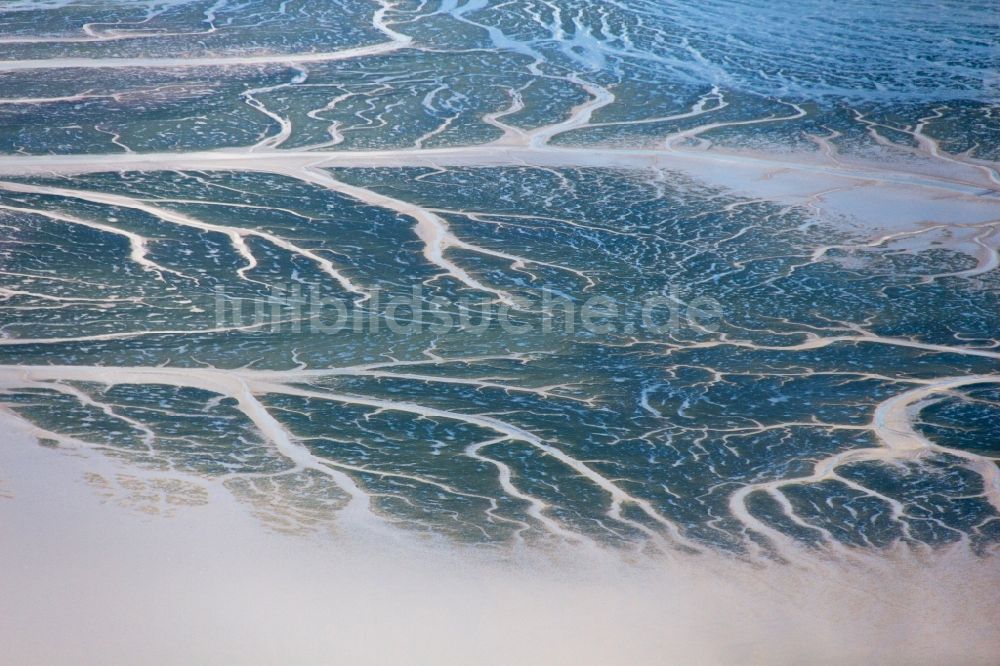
(474, 332)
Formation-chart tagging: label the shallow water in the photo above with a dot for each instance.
(684, 292)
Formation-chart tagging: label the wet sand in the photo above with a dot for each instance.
(88, 580)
